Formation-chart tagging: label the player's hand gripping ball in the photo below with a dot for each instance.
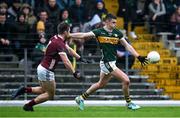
(153, 57)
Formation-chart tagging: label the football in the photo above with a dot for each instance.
(153, 57)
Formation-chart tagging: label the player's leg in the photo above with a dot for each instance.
(104, 79)
(21, 90)
(47, 83)
(49, 88)
(120, 75)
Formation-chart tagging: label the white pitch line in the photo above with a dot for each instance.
(95, 103)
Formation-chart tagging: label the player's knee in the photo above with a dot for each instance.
(126, 82)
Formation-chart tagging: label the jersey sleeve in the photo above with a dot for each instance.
(96, 32)
(120, 34)
(61, 49)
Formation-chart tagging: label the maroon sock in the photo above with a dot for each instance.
(28, 90)
(32, 103)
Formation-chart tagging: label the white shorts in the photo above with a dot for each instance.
(44, 74)
(108, 67)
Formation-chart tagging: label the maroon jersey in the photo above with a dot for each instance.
(55, 46)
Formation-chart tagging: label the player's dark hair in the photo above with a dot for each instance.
(62, 27)
(110, 17)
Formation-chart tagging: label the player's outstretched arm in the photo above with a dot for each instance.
(82, 35)
(128, 47)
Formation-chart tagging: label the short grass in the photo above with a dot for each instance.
(90, 111)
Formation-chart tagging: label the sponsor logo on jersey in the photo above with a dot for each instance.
(111, 40)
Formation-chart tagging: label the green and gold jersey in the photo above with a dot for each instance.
(107, 42)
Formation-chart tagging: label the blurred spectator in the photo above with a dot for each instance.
(53, 12)
(90, 6)
(21, 40)
(30, 2)
(15, 9)
(78, 15)
(39, 6)
(8, 2)
(128, 10)
(175, 20)
(100, 9)
(4, 35)
(4, 9)
(64, 16)
(29, 16)
(141, 18)
(64, 4)
(146, 8)
(38, 52)
(170, 6)
(157, 14)
(44, 28)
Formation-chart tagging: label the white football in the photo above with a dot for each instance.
(153, 57)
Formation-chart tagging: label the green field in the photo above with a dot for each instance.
(91, 111)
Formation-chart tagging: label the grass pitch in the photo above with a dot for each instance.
(90, 111)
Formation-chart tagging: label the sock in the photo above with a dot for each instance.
(85, 95)
(28, 90)
(31, 103)
(128, 99)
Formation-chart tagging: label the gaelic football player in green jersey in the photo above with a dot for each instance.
(108, 37)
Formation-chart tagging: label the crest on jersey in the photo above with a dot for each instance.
(115, 35)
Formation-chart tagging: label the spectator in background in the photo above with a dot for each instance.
(4, 10)
(175, 21)
(100, 9)
(53, 12)
(8, 2)
(146, 7)
(40, 46)
(140, 12)
(44, 30)
(64, 4)
(4, 35)
(128, 10)
(29, 16)
(78, 15)
(39, 6)
(21, 41)
(14, 10)
(44, 27)
(170, 6)
(64, 16)
(157, 14)
(30, 3)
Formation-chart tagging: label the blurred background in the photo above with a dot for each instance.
(27, 25)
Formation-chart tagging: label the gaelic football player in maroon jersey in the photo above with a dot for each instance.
(56, 51)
